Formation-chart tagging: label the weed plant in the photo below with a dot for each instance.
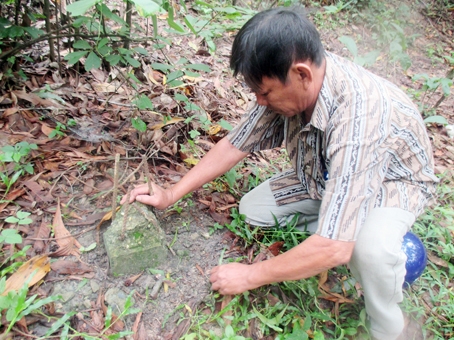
(301, 310)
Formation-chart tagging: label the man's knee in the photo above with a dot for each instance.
(258, 205)
(247, 206)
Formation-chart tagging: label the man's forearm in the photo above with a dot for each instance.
(310, 258)
(221, 158)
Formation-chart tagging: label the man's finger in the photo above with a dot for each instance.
(145, 199)
(139, 190)
(214, 286)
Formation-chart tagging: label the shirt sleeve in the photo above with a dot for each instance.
(260, 129)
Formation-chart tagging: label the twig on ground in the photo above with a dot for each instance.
(157, 286)
(171, 250)
(61, 237)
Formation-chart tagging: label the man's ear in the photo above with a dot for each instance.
(304, 73)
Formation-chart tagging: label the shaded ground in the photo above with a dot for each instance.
(194, 252)
(78, 168)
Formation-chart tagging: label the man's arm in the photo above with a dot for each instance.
(221, 158)
(315, 255)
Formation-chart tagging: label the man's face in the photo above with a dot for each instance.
(291, 98)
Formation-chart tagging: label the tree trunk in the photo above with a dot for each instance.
(48, 29)
(129, 23)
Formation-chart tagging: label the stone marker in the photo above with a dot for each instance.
(143, 244)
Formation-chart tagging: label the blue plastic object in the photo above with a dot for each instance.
(416, 257)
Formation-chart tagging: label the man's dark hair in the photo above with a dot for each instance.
(271, 41)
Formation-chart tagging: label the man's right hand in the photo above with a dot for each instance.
(221, 158)
(161, 198)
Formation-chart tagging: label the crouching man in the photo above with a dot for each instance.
(362, 165)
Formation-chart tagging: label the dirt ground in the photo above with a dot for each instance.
(194, 252)
(195, 249)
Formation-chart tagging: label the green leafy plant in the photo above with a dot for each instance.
(88, 248)
(363, 60)
(429, 86)
(58, 132)
(215, 227)
(20, 218)
(239, 227)
(338, 7)
(139, 124)
(17, 304)
(388, 33)
(10, 236)
(9, 181)
(16, 155)
(143, 103)
(229, 18)
(71, 122)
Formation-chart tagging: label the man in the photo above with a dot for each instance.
(362, 164)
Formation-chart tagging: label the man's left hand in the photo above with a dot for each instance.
(232, 278)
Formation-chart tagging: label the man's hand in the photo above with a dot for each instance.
(232, 278)
(313, 256)
(161, 198)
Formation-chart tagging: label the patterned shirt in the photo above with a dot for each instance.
(366, 146)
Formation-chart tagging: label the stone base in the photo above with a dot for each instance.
(140, 244)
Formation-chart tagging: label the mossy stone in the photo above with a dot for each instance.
(137, 244)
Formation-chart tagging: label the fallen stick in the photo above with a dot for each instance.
(157, 286)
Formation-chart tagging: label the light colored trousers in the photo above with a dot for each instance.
(378, 261)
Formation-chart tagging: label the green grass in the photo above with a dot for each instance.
(299, 309)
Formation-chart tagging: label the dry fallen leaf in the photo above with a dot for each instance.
(62, 235)
(132, 279)
(105, 87)
(106, 217)
(276, 247)
(32, 271)
(327, 293)
(88, 187)
(438, 261)
(38, 191)
(169, 122)
(104, 185)
(36, 100)
(10, 111)
(66, 267)
(135, 326)
(214, 129)
(12, 195)
(46, 129)
(43, 233)
(191, 161)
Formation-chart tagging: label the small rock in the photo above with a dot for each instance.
(39, 330)
(194, 236)
(67, 296)
(116, 298)
(94, 286)
(87, 304)
(450, 131)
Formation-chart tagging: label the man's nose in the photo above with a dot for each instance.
(261, 100)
